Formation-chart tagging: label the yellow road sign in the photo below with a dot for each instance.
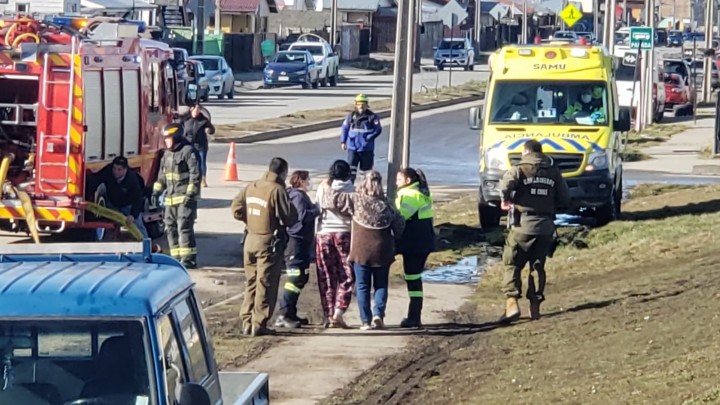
(571, 15)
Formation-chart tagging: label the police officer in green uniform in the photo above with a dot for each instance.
(265, 207)
(533, 191)
(414, 202)
(179, 177)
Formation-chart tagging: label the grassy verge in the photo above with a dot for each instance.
(472, 88)
(627, 320)
(652, 136)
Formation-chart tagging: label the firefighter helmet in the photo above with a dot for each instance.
(176, 131)
(361, 98)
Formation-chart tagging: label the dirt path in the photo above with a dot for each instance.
(311, 364)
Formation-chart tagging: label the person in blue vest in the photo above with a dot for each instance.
(415, 204)
(358, 134)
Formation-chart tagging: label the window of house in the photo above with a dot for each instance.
(22, 7)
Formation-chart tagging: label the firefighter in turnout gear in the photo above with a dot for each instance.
(532, 191)
(179, 178)
(266, 209)
(414, 203)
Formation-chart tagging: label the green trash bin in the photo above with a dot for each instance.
(267, 47)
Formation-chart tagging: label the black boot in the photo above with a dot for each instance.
(414, 314)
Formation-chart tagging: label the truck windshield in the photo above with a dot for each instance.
(49, 362)
(549, 103)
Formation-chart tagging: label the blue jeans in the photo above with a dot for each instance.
(138, 221)
(203, 162)
(377, 277)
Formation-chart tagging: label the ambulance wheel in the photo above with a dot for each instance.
(489, 216)
(609, 212)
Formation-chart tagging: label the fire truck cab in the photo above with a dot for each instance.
(77, 93)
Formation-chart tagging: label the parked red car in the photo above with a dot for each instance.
(678, 96)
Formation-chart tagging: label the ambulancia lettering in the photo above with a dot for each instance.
(548, 135)
(549, 66)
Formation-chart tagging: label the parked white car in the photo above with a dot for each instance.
(221, 80)
(325, 57)
(624, 78)
(455, 52)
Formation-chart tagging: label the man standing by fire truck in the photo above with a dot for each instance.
(179, 178)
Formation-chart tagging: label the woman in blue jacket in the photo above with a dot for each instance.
(414, 203)
(299, 249)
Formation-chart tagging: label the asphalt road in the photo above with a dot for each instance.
(441, 144)
(249, 105)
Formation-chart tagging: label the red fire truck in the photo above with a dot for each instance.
(76, 93)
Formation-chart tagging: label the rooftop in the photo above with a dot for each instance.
(88, 284)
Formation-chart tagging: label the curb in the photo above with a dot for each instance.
(335, 123)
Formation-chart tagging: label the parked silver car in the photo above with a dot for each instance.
(220, 77)
(455, 52)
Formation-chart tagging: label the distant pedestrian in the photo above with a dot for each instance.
(266, 209)
(533, 191)
(197, 128)
(358, 134)
(298, 250)
(418, 239)
(376, 226)
(335, 274)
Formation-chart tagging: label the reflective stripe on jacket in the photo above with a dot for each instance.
(179, 174)
(416, 208)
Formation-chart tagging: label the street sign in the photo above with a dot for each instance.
(571, 15)
(642, 37)
(630, 59)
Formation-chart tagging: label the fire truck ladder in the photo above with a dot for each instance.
(49, 73)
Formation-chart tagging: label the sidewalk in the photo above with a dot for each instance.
(681, 154)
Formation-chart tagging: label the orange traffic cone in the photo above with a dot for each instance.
(231, 171)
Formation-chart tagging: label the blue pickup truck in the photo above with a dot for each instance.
(110, 324)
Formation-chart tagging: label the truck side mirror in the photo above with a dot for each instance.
(475, 120)
(623, 122)
(194, 394)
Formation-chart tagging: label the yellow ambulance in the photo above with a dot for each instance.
(564, 96)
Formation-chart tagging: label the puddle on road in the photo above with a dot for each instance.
(466, 271)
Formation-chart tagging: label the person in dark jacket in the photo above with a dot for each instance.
(376, 226)
(415, 204)
(533, 190)
(179, 179)
(298, 250)
(358, 133)
(197, 128)
(125, 194)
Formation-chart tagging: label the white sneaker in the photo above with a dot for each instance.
(366, 326)
(377, 322)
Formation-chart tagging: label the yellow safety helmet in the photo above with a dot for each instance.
(361, 98)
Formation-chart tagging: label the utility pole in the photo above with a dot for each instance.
(478, 25)
(624, 19)
(218, 16)
(674, 13)
(650, 63)
(596, 18)
(200, 26)
(707, 71)
(400, 103)
(525, 24)
(407, 117)
(609, 26)
(417, 23)
(333, 24)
